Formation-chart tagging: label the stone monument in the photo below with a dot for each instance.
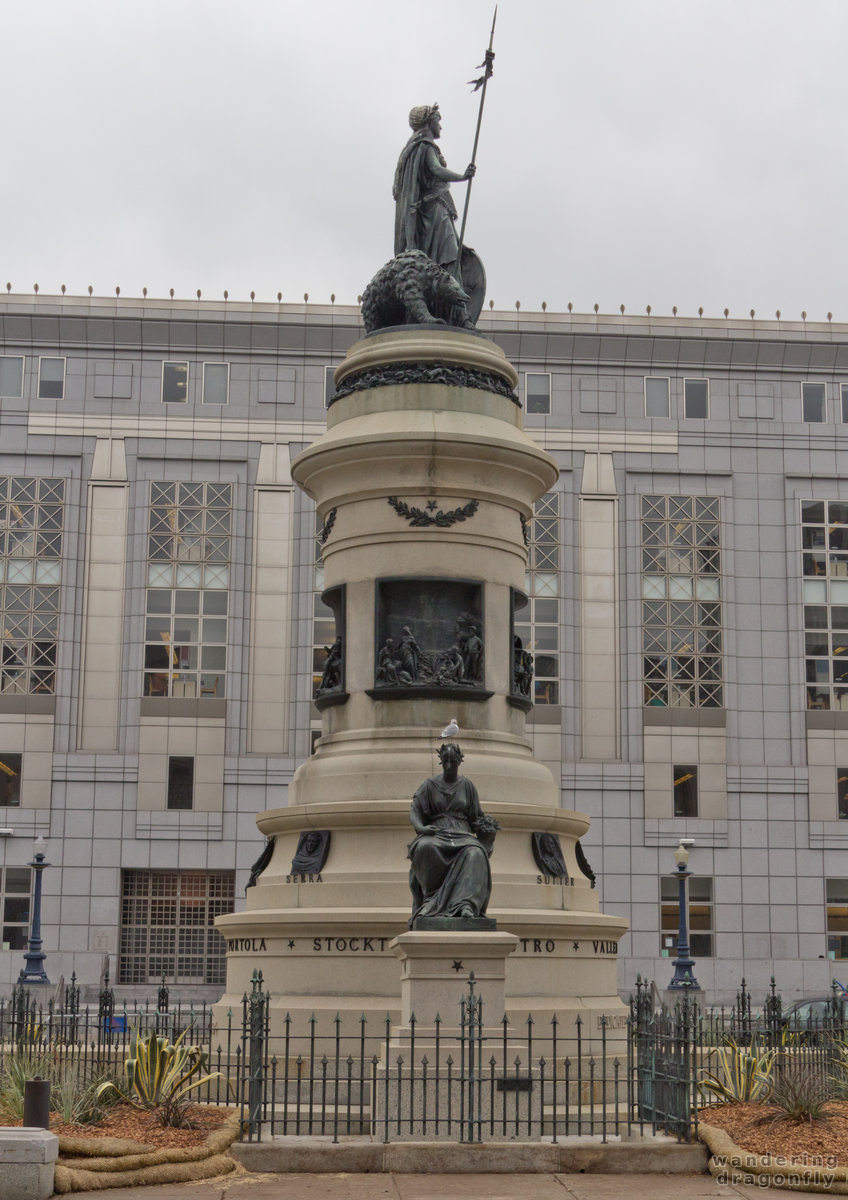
(425, 480)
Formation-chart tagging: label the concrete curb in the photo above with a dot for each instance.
(318, 1155)
(729, 1163)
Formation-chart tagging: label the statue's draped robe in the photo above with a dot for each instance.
(424, 210)
(450, 869)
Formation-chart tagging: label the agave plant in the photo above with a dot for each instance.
(737, 1073)
(161, 1074)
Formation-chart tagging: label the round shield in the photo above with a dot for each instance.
(473, 281)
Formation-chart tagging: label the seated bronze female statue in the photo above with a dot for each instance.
(450, 875)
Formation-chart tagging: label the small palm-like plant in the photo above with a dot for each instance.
(737, 1074)
(802, 1093)
(160, 1075)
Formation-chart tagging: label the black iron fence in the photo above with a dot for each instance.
(91, 1041)
(466, 1080)
(459, 1078)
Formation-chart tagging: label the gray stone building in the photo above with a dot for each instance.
(163, 630)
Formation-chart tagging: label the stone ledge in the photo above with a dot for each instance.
(27, 1162)
(23, 1144)
(361, 1154)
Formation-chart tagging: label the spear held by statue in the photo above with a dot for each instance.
(480, 85)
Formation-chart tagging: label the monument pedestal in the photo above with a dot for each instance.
(425, 480)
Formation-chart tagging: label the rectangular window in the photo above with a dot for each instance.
(329, 385)
(51, 378)
(681, 601)
(11, 376)
(824, 566)
(685, 786)
(167, 926)
(843, 391)
(656, 397)
(700, 890)
(174, 382)
(813, 403)
(180, 781)
(538, 626)
(31, 520)
(188, 577)
(842, 793)
(537, 393)
(216, 383)
(16, 885)
(836, 893)
(10, 780)
(696, 399)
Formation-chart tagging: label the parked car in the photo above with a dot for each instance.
(815, 1013)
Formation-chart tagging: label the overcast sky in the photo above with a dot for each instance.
(662, 152)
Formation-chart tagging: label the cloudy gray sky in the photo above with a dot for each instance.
(663, 152)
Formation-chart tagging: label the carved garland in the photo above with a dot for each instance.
(420, 372)
(417, 516)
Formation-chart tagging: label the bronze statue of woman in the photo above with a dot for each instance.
(450, 875)
(424, 210)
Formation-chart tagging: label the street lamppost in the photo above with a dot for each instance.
(683, 978)
(34, 958)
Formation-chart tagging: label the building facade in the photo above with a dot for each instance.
(163, 630)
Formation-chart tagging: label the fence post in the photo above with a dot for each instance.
(256, 1029)
(773, 1015)
(105, 1006)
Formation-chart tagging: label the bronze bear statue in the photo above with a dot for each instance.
(411, 289)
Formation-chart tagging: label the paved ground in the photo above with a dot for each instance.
(438, 1187)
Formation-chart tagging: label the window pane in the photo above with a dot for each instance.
(51, 378)
(696, 399)
(10, 779)
(180, 781)
(174, 382)
(656, 398)
(538, 393)
(685, 791)
(11, 376)
(813, 402)
(216, 383)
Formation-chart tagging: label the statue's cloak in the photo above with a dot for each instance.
(424, 210)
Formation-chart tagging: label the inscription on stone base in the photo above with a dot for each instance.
(454, 924)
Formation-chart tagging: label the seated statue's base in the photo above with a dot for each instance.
(454, 924)
(435, 968)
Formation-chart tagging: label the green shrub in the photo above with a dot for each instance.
(802, 1093)
(78, 1102)
(160, 1075)
(19, 1066)
(74, 1099)
(737, 1073)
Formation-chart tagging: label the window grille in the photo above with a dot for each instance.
(31, 522)
(167, 926)
(538, 623)
(681, 601)
(188, 576)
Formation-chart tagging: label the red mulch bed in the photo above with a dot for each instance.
(123, 1121)
(753, 1127)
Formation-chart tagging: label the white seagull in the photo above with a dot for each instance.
(451, 729)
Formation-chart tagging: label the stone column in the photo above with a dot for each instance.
(103, 598)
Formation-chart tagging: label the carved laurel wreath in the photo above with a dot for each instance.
(417, 516)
